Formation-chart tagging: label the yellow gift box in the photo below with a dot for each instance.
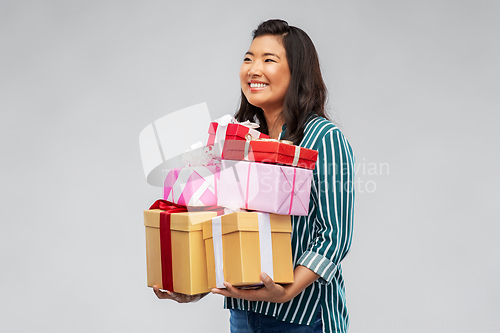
(189, 268)
(243, 250)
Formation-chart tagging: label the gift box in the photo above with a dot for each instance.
(219, 133)
(241, 245)
(175, 250)
(270, 151)
(192, 186)
(264, 187)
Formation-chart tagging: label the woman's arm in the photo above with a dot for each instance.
(333, 195)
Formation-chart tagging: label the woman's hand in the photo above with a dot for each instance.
(272, 292)
(179, 298)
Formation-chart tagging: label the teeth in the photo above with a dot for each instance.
(257, 85)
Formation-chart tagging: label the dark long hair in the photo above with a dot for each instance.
(306, 94)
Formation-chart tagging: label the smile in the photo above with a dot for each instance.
(258, 85)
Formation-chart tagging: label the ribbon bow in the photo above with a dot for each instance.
(199, 155)
(247, 123)
(228, 119)
(249, 138)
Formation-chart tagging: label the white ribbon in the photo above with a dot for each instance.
(296, 156)
(247, 123)
(218, 253)
(266, 244)
(255, 133)
(247, 146)
(266, 247)
(228, 119)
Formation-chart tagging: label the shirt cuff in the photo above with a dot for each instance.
(319, 264)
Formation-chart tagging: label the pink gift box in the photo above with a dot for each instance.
(264, 187)
(192, 186)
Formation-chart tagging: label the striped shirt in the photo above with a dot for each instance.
(321, 239)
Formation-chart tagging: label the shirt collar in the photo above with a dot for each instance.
(283, 129)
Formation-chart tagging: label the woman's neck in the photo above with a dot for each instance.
(274, 122)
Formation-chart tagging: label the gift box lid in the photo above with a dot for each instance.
(152, 218)
(247, 221)
(188, 221)
(234, 131)
(271, 147)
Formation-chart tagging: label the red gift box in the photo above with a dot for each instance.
(233, 132)
(267, 151)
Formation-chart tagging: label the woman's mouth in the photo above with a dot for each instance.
(257, 86)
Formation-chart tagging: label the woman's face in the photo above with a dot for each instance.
(265, 74)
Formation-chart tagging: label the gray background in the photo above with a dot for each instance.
(413, 84)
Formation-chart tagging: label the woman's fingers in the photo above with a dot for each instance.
(179, 298)
(163, 294)
(229, 291)
(268, 282)
(232, 290)
(269, 292)
(166, 294)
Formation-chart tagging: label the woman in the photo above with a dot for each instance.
(282, 89)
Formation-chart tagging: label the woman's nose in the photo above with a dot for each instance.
(255, 70)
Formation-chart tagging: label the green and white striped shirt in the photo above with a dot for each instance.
(322, 239)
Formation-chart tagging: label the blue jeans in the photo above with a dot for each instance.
(251, 322)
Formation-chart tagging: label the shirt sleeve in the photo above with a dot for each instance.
(333, 194)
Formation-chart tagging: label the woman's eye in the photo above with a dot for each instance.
(247, 59)
(269, 60)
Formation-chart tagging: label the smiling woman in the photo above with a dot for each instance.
(283, 90)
